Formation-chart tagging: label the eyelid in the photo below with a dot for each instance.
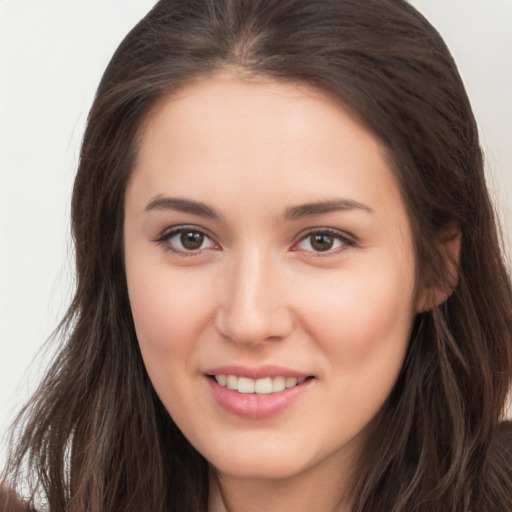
(346, 239)
(171, 231)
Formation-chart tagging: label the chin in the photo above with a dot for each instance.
(262, 467)
(275, 459)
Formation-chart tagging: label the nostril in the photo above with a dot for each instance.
(243, 327)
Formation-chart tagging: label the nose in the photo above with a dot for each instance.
(253, 306)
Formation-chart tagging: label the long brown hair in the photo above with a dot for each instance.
(95, 436)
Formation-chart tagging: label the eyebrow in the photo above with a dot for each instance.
(181, 205)
(322, 207)
(292, 213)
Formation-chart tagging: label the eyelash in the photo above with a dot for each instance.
(165, 238)
(345, 241)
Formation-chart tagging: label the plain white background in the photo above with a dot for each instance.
(52, 55)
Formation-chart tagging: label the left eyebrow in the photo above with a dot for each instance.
(322, 207)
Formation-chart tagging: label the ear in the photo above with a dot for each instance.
(432, 292)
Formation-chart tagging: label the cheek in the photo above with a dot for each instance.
(168, 321)
(364, 316)
(364, 330)
(168, 311)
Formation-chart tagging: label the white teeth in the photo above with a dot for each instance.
(245, 385)
(263, 386)
(232, 382)
(290, 382)
(259, 386)
(278, 384)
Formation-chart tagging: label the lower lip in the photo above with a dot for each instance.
(254, 406)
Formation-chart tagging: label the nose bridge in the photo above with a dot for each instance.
(254, 308)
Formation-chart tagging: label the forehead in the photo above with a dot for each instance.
(266, 142)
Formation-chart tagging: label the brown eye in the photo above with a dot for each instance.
(325, 241)
(322, 242)
(186, 241)
(191, 240)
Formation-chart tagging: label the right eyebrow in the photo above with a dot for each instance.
(181, 205)
(323, 207)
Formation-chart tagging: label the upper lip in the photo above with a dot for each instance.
(257, 372)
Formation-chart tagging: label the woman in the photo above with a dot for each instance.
(290, 290)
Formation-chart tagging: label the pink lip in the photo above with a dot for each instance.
(259, 372)
(254, 406)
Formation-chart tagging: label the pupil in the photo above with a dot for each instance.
(191, 240)
(322, 242)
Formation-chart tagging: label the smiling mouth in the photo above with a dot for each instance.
(264, 386)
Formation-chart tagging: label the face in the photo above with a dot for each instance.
(270, 272)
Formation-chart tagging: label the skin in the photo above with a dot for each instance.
(257, 291)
